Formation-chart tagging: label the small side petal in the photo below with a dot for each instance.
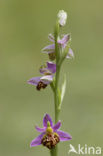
(64, 40)
(51, 66)
(49, 52)
(49, 47)
(34, 81)
(46, 119)
(40, 129)
(64, 136)
(37, 141)
(57, 126)
(70, 54)
(47, 79)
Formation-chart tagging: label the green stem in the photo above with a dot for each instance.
(54, 152)
(57, 111)
(57, 52)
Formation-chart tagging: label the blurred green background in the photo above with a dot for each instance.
(24, 27)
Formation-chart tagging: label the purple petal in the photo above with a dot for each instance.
(64, 40)
(51, 66)
(57, 126)
(51, 37)
(47, 79)
(34, 81)
(46, 119)
(50, 69)
(39, 129)
(64, 136)
(49, 47)
(70, 53)
(37, 141)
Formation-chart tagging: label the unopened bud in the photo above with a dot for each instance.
(62, 17)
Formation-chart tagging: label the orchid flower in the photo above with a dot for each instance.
(62, 43)
(50, 134)
(46, 78)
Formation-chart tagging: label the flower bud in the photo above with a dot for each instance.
(62, 17)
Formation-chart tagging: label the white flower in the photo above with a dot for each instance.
(62, 17)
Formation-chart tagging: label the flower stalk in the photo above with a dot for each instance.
(56, 34)
(54, 152)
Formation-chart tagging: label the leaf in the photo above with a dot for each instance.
(59, 96)
(52, 84)
(63, 89)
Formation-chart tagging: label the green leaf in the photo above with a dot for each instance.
(52, 84)
(59, 96)
(63, 89)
